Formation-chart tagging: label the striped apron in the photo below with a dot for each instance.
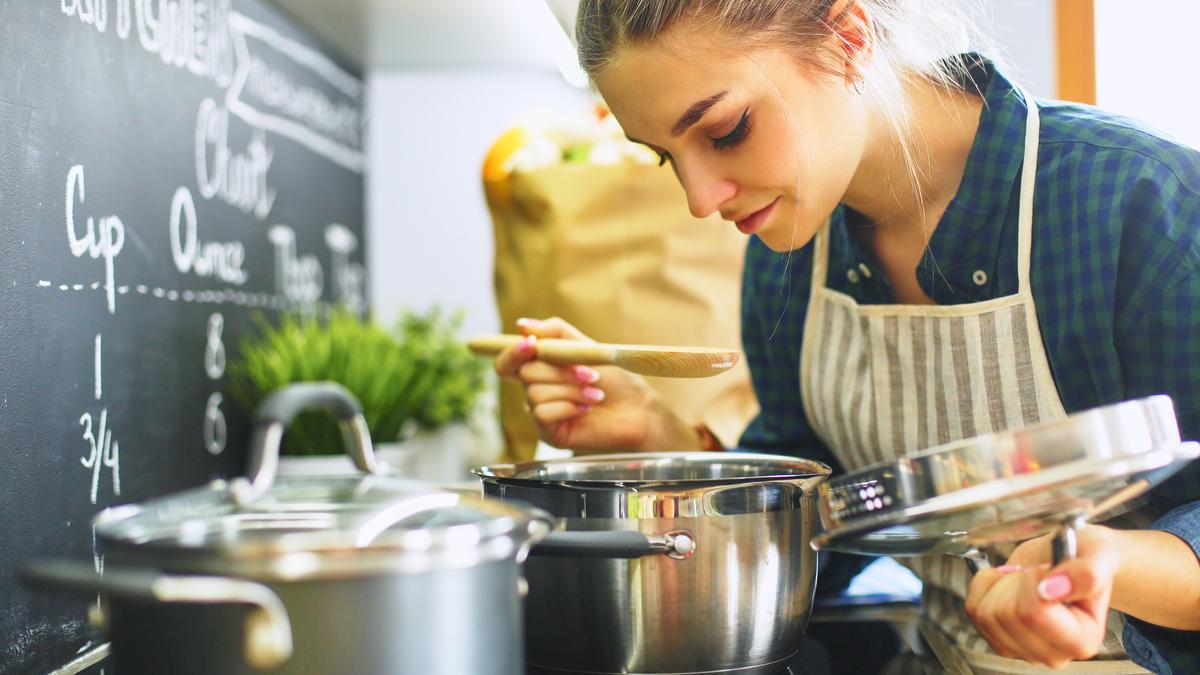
(882, 381)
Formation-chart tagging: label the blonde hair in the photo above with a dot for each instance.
(910, 38)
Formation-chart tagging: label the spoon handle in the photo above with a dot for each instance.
(552, 350)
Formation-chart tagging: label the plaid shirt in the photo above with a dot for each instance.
(1116, 248)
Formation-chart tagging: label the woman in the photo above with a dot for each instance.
(934, 256)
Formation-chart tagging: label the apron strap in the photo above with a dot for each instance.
(1028, 179)
(820, 264)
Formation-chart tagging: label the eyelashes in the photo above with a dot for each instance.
(729, 140)
(736, 136)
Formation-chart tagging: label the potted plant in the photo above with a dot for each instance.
(417, 384)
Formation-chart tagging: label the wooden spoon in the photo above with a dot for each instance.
(657, 361)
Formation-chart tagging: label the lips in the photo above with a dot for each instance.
(753, 222)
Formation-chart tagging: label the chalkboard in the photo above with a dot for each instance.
(168, 169)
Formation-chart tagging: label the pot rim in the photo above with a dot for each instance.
(517, 473)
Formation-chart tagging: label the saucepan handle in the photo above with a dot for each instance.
(977, 560)
(625, 544)
(268, 632)
(1063, 546)
(278, 410)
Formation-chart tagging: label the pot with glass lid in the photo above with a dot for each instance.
(310, 574)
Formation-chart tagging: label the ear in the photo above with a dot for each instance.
(854, 28)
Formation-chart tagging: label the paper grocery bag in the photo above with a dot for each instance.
(615, 251)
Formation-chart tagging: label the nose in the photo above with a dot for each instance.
(706, 190)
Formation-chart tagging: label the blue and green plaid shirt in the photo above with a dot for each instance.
(1115, 274)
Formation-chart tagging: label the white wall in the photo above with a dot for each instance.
(429, 236)
(1024, 32)
(1143, 63)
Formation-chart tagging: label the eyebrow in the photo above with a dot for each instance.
(696, 112)
(692, 116)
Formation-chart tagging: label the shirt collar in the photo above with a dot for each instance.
(968, 239)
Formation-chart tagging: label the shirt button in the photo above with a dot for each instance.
(866, 271)
(852, 275)
(979, 277)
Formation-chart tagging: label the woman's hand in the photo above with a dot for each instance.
(1027, 610)
(590, 409)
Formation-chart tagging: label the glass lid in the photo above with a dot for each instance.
(315, 514)
(1006, 486)
(347, 518)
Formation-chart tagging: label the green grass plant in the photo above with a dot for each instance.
(417, 376)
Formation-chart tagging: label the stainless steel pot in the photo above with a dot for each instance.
(310, 574)
(732, 589)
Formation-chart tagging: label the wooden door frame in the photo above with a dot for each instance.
(1075, 30)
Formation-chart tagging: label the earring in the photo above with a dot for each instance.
(860, 86)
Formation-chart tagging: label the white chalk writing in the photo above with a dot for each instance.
(240, 179)
(101, 239)
(90, 12)
(349, 278)
(214, 352)
(215, 433)
(222, 260)
(191, 34)
(102, 451)
(298, 278)
(267, 98)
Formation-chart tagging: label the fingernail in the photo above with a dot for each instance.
(525, 346)
(593, 394)
(528, 323)
(586, 375)
(1005, 569)
(1055, 587)
(584, 408)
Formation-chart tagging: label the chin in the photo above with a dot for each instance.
(785, 238)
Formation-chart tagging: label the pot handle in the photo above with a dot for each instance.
(627, 544)
(541, 525)
(1062, 546)
(277, 411)
(268, 631)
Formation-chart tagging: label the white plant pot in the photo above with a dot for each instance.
(440, 456)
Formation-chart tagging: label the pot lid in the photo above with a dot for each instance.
(1005, 487)
(315, 525)
(305, 518)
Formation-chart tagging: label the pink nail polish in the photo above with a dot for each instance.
(593, 394)
(586, 375)
(584, 408)
(1054, 587)
(525, 347)
(1005, 569)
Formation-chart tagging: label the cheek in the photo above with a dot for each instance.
(778, 156)
(810, 171)
(804, 153)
